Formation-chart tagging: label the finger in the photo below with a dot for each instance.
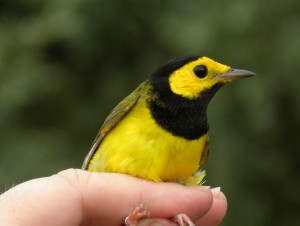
(217, 211)
(156, 221)
(108, 198)
(45, 201)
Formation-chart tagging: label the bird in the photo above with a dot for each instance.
(159, 132)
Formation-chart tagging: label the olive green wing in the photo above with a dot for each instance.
(204, 155)
(115, 116)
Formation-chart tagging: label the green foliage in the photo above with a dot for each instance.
(65, 64)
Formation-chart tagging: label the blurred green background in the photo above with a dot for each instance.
(65, 64)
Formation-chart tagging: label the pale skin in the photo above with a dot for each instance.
(75, 197)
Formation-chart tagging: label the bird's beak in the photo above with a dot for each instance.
(233, 74)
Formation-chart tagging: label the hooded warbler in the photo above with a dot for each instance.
(160, 131)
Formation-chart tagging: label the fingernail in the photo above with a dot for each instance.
(204, 188)
(216, 192)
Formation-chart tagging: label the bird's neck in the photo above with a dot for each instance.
(180, 116)
(189, 123)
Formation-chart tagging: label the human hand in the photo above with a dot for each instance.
(75, 197)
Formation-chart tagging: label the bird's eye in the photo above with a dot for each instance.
(200, 71)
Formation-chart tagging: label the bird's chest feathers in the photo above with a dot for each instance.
(139, 144)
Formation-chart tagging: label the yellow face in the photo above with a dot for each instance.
(196, 76)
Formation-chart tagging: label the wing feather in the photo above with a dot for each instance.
(115, 116)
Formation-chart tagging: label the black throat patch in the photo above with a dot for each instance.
(180, 116)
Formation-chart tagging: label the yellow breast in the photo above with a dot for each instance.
(138, 146)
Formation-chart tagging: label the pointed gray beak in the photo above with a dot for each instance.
(234, 74)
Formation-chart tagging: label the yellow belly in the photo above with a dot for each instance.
(138, 146)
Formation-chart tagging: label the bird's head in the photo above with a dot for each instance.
(189, 77)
